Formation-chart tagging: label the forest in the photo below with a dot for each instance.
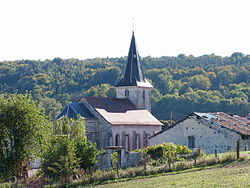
(182, 84)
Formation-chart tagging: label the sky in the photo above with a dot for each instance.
(83, 29)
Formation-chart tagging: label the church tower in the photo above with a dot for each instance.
(133, 85)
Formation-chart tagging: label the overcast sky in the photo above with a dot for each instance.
(45, 29)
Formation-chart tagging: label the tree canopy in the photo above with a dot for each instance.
(23, 134)
(183, 84)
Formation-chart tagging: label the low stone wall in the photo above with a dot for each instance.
(126, 159)
(104, 161)
(130, 159)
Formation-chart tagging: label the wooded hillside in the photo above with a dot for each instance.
(183, 84)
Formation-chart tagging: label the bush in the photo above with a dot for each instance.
(228, 157)
(60, 161)
(166, 152)
(183, 165)
(66, 156)
(87, 152)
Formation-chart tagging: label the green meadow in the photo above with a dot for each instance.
(236, 174)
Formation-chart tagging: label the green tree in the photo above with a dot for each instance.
(60, 161)
(23, 134)
(69, 150)
(103, 90)
(87, 152)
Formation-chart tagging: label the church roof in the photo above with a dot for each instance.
(133, 75)
(121, 112)
(73, 110)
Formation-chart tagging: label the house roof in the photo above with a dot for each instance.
(121, 112)
(233, 122)
(236, 123)
(133, 75)
(73, 110)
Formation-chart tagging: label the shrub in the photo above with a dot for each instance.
(228, 157)
(183, 165)
(87, 153)
(166, 152)
(212, 161)
(66, 156)
(60, 161)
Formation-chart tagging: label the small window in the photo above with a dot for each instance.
(126, 93)
(143, 94)
(191, 142)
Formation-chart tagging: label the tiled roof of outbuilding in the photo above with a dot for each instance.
(236, 123)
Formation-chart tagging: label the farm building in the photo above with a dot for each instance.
(211, 132)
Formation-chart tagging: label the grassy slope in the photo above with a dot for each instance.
(233, 175)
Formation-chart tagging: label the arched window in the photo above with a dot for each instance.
(126, 93)
(127, 142)
(117, 140)
(136, 141)
(145, 139)
(110, 139)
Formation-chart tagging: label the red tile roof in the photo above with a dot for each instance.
(121, 112)
(236, 123)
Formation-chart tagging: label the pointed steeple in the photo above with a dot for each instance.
(133, 75)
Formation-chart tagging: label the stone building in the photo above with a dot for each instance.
(211, 132)
(122, 121)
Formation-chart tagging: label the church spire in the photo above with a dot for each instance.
(133, 75)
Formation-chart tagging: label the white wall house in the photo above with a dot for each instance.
(211, 132)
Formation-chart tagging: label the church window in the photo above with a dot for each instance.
(145, 139)
(127, 142)
(117, 140)
(143, 94)
(136, 141)
(126, 92)
(110, 140)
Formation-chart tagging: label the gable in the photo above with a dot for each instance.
(73, 110)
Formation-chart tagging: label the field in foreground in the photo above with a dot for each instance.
(236, 174)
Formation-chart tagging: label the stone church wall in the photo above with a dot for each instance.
(103, 130)
(208, 136)
(138, 134)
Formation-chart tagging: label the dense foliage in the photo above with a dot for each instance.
(183, 84)
(23, 134)
(166, 152)
(60, 161)
(69, 151)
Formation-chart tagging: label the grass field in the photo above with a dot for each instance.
(236, 174)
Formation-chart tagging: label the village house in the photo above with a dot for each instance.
(211, 132)
(122, 121)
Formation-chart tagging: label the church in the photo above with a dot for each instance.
(122, 121)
